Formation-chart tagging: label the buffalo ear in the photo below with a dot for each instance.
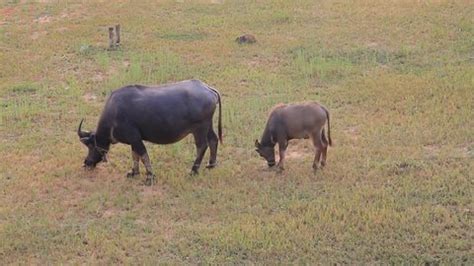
(257, 144)
(89, 139)
(84, 140)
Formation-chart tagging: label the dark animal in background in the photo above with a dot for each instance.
(246, 38)
(295, 121)
(162, 115)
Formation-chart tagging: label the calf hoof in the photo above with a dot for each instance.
(315, 168)
(150, 180)
(211, 165)
(132, 174)
(193, 173)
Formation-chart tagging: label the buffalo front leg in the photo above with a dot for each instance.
(136, 165)
(200, 137)
(140, 150)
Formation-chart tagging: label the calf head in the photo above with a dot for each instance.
(95, 153)
(267, 152)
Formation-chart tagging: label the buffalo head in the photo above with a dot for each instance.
(95, 154)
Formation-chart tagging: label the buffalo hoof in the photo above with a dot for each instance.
(132, 174)
(211, 165)
(150, 180)
(194, 173)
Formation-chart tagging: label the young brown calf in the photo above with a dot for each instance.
(295, 121)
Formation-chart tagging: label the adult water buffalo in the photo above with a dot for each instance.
(163, 115)
(295, 121)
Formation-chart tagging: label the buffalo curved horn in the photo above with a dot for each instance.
(82, 134)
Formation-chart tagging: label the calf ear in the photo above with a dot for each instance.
(257, 145)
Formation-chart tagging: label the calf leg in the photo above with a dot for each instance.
(316, 137)
(135, 169)
(139, 148)
(323, 157)
(282, 145)
(212, 141)
(324, 149)
(200, 138)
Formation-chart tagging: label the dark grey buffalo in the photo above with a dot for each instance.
(295, 121)
(163, 115)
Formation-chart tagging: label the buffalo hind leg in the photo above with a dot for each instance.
(139, 148)
(200, 138)
(213, 142)
(136, 165)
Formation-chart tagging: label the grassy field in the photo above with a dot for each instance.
(397, 77)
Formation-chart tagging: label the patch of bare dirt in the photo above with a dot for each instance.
(98, 76)
(111, 212)
(89, 97)
(462, 151)
(269, 62)
(466, 151)
(298, 149)
(126, 63)
(432, 150)
(372, 44)
(152, 192)
(43, 19)
(296, 154)
(352, 133)
(62, 29)
(7, 12)
(37, 34)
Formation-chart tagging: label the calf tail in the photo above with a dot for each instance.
(329, 125)
(219, 123)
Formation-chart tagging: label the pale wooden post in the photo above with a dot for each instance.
(117, 34)
(111, 38)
